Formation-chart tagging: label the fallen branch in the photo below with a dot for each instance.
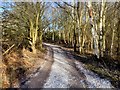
(8, 49)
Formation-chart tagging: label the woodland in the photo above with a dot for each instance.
(90, 29)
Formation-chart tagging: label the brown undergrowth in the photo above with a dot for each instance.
(19, 65)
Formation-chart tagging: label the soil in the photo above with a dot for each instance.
(40, 72)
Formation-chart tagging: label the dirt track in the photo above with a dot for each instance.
(38, 79)
(61, 70)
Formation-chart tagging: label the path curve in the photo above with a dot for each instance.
(63, 72)
(67, 72)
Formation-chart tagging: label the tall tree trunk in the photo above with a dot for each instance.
(118, 35)
(70, 39)
(104, 45)
(33, 48)
(104, 30)
(64, 38)
(75, 41)
(101, 28)
(36, 29)
(41, 40)
(83, 43)
(74, 28)
(32, 36)
(53, 36)
(34, 32)
(79, 21)
(59, 36)
(84, 30)
(112, 43)
(94, 33)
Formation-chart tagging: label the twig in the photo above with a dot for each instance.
(8, 49)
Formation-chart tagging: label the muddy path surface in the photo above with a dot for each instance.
(64, 71)
(38, 78)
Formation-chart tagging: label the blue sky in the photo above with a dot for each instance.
(0, 6)
(6, 4)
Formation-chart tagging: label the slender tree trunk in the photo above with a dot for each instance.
(104, 41)
(53, 36)
(112, 43)
(118, 36)
(84, 31)
(104, 46)
(101, 28)
(94, 33)
(91, 44)
(33, 48)
(75, 41)
(79, 21)
(70, 38)
(36, 29)
(83, 43)
(74, 28)
(64, 38)
(32, 36)
(59, 36)
(41, 40)
(34, 32)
